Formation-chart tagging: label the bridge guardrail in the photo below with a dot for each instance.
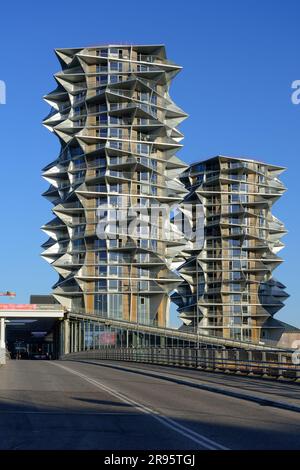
(261, 363)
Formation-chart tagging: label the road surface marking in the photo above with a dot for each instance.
(79, 413)
(168, 422)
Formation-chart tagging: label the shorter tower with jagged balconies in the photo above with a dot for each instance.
(229, 289)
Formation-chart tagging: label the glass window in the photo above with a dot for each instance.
(102, 79)
(103, 132)
(234, 242)
(115, 78)
(114, 270)
(115, 305)
(102, 270)
(143, 149)
(116, 66)
(99, 243)
(114, 51)
(115, 132)
(143, 310)
(100, 304)
(114, 120)
(100, 285)
(103, 118)
(113, 284)
(101, 256)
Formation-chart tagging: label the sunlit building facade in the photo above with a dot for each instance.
(118, 130)
(229, 289)
(117, 127)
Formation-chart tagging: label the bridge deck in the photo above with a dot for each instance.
(77, 405)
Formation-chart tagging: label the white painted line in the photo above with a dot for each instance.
(226, 390)
(71, 413)
(168, 422)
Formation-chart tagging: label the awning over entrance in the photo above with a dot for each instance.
(27, 322)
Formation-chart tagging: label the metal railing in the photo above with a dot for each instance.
(260, 363)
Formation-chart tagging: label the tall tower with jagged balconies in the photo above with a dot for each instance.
(117, 127)
(229, 289)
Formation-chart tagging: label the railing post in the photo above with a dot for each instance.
(207, 362)
(202, 355)
(173, 356)
(237, 362)
(151, 355)
(194, 358)
(168, 356)
(190, 363)
(177, 357)
(197, 358)
(182, 361)
(225, 360)
(160, 356)
(264, 360)
(250, 359)
(218, 359)
(163, 355)
(281, 360)
(155, 356)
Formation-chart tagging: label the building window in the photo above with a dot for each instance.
(116, 66)
(143, 310)
(101, 285)
(113, 285)
(115, 306)
(100, 304)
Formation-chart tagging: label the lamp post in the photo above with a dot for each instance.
(197, 309)
(137, 313)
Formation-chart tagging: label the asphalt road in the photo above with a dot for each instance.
(83, 405)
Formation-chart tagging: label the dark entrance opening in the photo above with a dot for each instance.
(32, 338)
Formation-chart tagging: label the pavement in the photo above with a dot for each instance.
(251, 388)
(124, 406)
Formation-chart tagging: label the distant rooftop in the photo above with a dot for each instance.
(41, 299)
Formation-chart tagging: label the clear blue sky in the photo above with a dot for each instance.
(239, 59)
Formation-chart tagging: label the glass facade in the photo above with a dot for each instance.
(88, 335)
